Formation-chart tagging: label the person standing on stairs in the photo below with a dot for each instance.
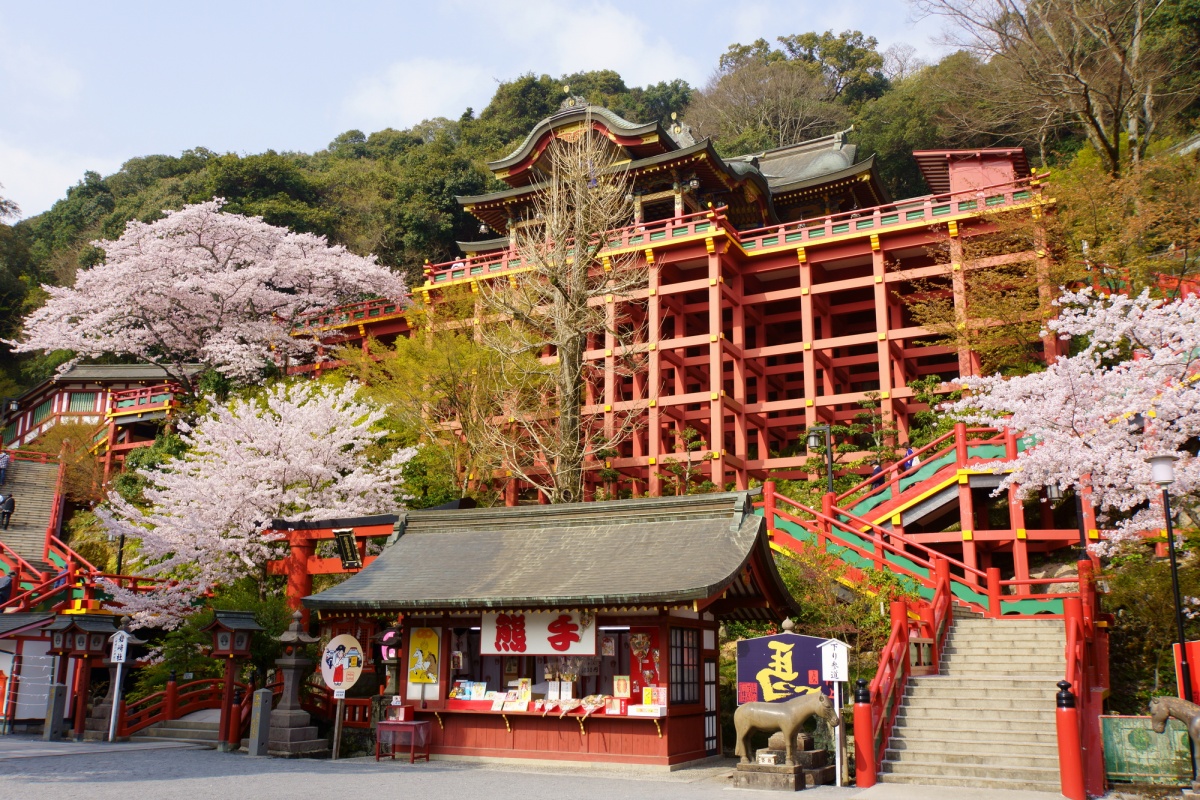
(5, 459)
(910, 460)
(7, 506)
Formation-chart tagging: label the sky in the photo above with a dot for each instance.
(87, 85)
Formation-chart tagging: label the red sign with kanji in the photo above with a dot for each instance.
(538, 633)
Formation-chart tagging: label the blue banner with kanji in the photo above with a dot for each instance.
(778, 668)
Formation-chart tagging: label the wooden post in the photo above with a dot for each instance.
(171, 701)
(1070, 753)
(83, 672)
(337, 728)
(769, 506)
(227, 710)
(864, 737)
(993, 592)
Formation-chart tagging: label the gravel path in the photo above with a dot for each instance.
(197, 774)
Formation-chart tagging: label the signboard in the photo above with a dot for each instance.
(341, 662)
(423, 645)
(774, 669)
(835, 661)
(538, 633)
(120, 647)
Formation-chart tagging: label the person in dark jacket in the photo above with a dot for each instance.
(7, 507)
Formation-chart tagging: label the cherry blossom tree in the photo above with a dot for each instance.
(300, 451)
(1129, 391)
(200, 285)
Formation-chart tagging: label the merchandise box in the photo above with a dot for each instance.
(644, 710)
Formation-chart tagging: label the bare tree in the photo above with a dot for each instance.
(1094, 63)
(766, 104)
(543, 320)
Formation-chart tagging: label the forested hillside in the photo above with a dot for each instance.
(391, 192)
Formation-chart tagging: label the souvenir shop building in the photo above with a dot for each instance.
(582, 632)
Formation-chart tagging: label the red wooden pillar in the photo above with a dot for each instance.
(654, 421)
(295, 567)
(83, 673)
(769, 505)
(864, 737)
(228, 712)
(171, 699)
(993, 593)
(716, 360)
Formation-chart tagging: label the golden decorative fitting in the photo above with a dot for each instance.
(607, 262)
(874, 241)
(1021, 533)
(716, 456)
(608, 352)
(897, 521)
(607, 407)
(952, 227)
(653, 292)
(808, 403)
(879, 279)
(968, 536)
(808, 345)
(713, 396)
(800, 255)
(653, 403)
(885, 395)
(712, 281)
(653, 347)
(955, 266)
(803, 291)
(882, 336)
(608, 298)
(709, 245)
(649, 256)
(1093, 534)
(652, 461)
(712, 338)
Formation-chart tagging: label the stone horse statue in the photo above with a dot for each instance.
(787, 718)
(1182, 710)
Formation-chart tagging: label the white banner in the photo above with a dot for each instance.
(539, 633)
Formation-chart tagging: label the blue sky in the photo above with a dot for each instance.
(87, 85)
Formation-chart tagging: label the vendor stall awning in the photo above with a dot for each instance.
(657, 551)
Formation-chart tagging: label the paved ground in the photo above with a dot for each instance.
(128, 771)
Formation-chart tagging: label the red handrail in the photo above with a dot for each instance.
(19, 564)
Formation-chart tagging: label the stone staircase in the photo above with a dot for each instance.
(200, 727)
(987, 720)
(32, 487)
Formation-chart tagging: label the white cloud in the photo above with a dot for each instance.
(35, 179)
(414, 90)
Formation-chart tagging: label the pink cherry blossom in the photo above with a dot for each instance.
(300, 451)
(200, 285)
(1133, 356)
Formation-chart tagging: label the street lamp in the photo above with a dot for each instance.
(1054, 493)
(817, 435)
(1162, 470)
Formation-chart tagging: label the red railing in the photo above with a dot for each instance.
(29, 455)
(363, 311)
(18, 567)
(142, 398)
(172, 703)
(928, 209)
(318, 701)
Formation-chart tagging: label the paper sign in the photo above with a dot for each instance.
(339, 694)
(120, 647)
(835, 665)
(538, 634)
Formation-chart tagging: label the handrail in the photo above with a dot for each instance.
(894, 466)
(907, 204)
(8, 554)
(28, 455)
(55, 520)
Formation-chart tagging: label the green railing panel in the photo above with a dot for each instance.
(794, 237)
(701, 227)
(888, 219)
(815, 233)
(843, 228)
(1134, 753)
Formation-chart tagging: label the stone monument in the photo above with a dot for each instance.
(291, 734)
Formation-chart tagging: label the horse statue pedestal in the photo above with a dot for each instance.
(791, 763)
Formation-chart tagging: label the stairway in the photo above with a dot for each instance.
(32, 486)
(200, 727)
(987, 720)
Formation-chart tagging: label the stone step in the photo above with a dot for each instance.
(211, 743)
(928, 720)
(1035, 774)
(966, 689)
(1040, 745)
(1050, 645)
(984, 756)
(973, 671)
(934, 733)
(172, 731)
(1006, 704)
(1053, 788)
(191, 725)
(976, 714)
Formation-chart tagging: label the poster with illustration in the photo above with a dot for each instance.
(341, 662)
(423, 644)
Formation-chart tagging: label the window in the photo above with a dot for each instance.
(685, 665)
(42, 411)
(83, 401)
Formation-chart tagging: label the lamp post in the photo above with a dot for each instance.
(1162, 470)
(817, 435)
(1054, 493)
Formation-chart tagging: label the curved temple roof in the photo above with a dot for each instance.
(666, 551)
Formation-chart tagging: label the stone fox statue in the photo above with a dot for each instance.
(1188, 713)
(788, 718)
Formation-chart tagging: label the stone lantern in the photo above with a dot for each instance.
(231, 632)
(291, 734)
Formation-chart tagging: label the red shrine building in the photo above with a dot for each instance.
(776, 301)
